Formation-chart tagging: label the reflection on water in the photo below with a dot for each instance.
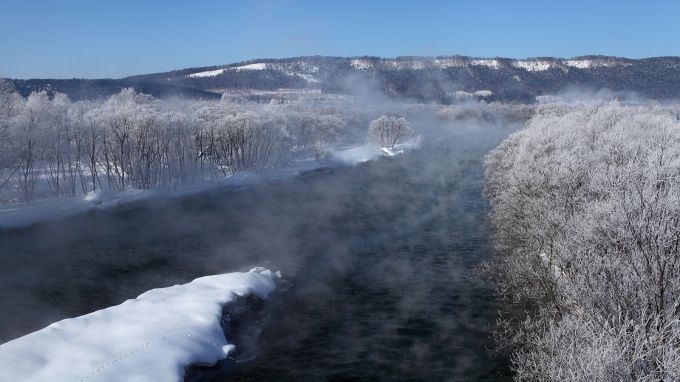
(379, 257)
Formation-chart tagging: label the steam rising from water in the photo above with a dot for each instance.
(379, 256)
(381, 287)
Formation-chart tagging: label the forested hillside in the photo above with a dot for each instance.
(447, 80)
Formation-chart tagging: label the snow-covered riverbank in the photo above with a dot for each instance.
(151, 338)
(24, 214)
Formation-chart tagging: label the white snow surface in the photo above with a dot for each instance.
(370, 152)
(308, 77)
(356, 154)
(490, 63)
(483, 93)
(533, 66)
(257, 66)
(361, 64)
(150, 338)
(209, 73)
(586, 64)
(213, 73)
(443, 63)
(406, 64)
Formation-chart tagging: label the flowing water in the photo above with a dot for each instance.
(378, 257)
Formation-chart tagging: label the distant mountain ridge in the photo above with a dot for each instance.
(444, 79)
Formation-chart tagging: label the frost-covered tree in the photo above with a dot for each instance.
(178, 162)
(250, 142)
(387, 131)
(586, 215)
(50, 146)
(10, 105)
(58, 155)
(129, 118)
(29, 135)
(235, 137)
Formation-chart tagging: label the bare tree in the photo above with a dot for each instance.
(388, 131)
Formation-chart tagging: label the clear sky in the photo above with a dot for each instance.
(118, 38)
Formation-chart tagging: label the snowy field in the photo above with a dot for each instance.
(151, 338)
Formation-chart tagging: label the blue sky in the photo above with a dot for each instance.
(113, 39)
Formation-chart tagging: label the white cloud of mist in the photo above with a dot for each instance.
(575, 94)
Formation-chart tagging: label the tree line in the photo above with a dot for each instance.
(50, 146)
(585, 207)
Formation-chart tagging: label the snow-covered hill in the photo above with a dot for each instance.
(422, 78)
(313, 68)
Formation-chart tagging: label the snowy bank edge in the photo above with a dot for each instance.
(27, 214)
(151, 338)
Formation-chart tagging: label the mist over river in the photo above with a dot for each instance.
(378, 257)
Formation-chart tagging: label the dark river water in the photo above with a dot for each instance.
(378, 256)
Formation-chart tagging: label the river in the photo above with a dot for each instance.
(378, 256)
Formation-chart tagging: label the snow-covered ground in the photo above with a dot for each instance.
(490, 63)
(150, 338)
(533, 65)
(256, 66)
(209, 73)
(213, 73)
